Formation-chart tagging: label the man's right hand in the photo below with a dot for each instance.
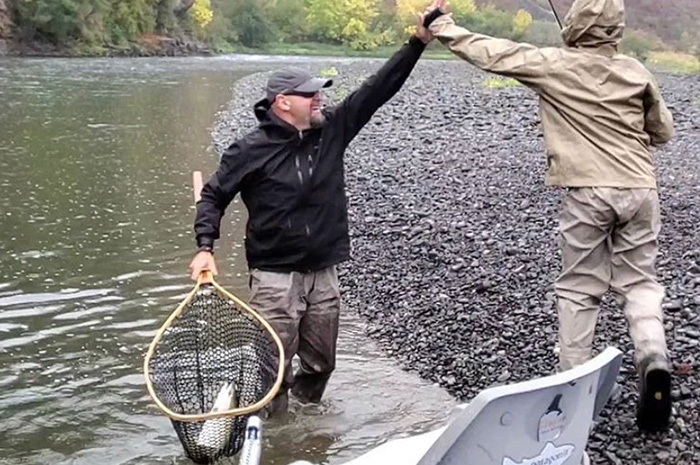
(431, 12)
(203, 261)
(437, 4)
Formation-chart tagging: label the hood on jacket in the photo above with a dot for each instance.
(261, 108)
(594, 23)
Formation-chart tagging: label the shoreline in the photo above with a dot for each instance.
(191, 49)
(307, 50)
(160, 47)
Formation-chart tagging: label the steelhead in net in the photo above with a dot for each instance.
(214, 362)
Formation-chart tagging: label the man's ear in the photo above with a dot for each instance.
(281, 103)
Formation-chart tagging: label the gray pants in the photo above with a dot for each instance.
(609, 240)
(304, 310)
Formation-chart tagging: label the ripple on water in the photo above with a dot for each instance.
(42, 334)
(48, 297)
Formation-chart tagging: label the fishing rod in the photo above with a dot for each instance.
(554, 10)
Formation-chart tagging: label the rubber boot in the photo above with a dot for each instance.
(654, 408)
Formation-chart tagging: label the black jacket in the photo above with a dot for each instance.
(292, 183)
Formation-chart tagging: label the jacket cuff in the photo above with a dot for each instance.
(432, 16)
(416, 43)
(205, 241)
(439, 25)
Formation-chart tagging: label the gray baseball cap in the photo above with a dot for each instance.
(290, 80)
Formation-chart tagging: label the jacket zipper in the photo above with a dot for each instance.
(300, 175)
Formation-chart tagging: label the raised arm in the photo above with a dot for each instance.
(357, 109)
(524, 62)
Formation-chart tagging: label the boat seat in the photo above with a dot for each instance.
(542, 421)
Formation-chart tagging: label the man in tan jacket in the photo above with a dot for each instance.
(601, 112)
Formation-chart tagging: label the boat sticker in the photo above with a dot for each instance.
(552, 423)
(550, 455)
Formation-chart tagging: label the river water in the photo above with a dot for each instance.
(96, 216)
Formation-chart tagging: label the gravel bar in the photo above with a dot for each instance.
(454, 242)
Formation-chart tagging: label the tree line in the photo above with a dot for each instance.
(226, 25)
(359, 24)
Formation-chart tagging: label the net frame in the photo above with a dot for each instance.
(206, 278)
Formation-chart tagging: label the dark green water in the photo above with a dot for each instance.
(95, 238)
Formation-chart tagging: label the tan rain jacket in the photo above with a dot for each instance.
(601, 110)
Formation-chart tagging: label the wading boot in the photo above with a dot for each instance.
(277, 406)
(654, 409)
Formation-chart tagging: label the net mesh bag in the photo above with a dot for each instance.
(211, 365)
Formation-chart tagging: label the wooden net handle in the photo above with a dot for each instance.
(197, 185)
(205, 277)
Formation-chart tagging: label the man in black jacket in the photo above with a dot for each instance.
(289, 172)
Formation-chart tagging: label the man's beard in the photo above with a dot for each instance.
(317, 119)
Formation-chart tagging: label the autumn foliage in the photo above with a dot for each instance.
(359, 24)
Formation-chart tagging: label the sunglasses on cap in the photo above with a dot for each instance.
(300, 94)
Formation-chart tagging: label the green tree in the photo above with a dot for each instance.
(55, 21)
(639, 44)
(521, 24)
(356, 32)
(201, 13)
(71, 21)
(343, 21)
(4, 20)
(406, 11)
(289, 19)
(166, 19)
(690, 41)
(251, 24)
(462, 10)
(326, 19)
(129, 19)
(491, 21)
(544, 33)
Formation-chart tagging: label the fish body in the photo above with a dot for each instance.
(216, 433)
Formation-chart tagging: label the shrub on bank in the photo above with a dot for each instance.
(675, 62)
(640, 44)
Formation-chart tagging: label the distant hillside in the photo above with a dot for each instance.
(4, 27)
(667, 19)
(4, 20)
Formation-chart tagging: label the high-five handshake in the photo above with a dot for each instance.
(434, 10)
(601, 113)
